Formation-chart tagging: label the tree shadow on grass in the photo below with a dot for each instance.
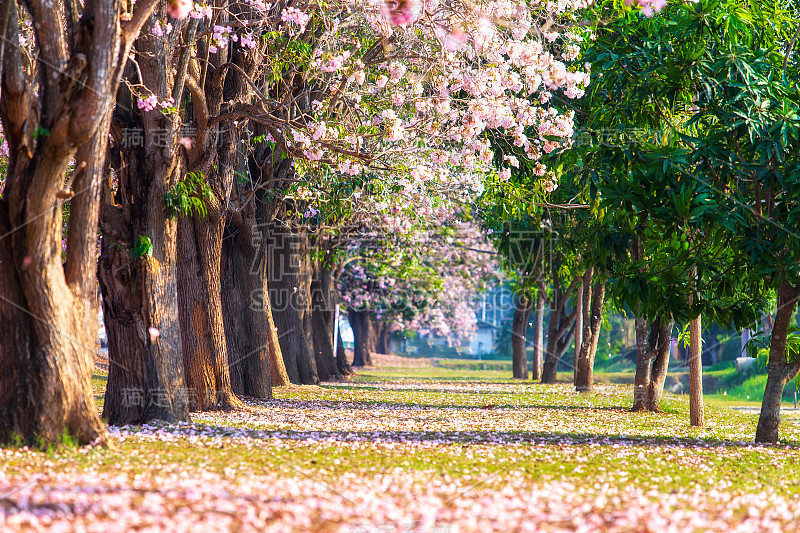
(499, 438)
(344, 405)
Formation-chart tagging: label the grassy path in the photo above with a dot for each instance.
(403, 450)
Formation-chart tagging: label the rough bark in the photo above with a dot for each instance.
(243, 305)
(362, 324)
(560, 330)
(323, 305)
(652, 363)
(779, 369)
(538, 336)
(214, 156)
(140, 308)
(252, 220)
(519, 329)
(289, 281)
(593, 296)
(47, 357)
(205, 351)
(277, 368)
(696, 409)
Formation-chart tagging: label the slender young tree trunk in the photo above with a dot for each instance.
(593, 296)
(363, 328)
(560, 330)
(289, 281)
(644, 356)
(538, 336)
(652, 356)
(696, 409)
(658, 375)
(779, 370)
(581, 293)
(519, 330)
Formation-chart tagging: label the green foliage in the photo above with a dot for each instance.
(143, 247)
(188, 197)
(759, 344)
(40, 132)
(710, 183)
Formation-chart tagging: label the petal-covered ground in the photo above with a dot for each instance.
(417, 455)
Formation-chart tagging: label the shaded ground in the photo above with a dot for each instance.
(397, 449)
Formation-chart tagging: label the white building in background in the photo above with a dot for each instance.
(482, 342)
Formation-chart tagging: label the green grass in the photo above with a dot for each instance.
(428, 428)
(631, 447)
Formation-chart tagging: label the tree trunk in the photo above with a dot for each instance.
(243, 305)
(652, 363)
(538, 336)
(323, 305)
(289, 281)
(47, 348)
(779, 370)
(593, 296)
(381, 337)
(205, 351)
(696, 410)
(581, 292)
(519, 331)
(140, 312)
(641, 381)
(146, 375)
(277, 367)
(362, 324)
(560, 330)
(658, 375)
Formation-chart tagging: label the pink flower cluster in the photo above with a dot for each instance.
(401, 12)
(179, 9)
(292, 15)
(159, 30)
(648, 7)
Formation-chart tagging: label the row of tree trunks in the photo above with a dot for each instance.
(519, 330)
(560, 329)
(780, 370)
(245, 305)
(592, 294)
(289, 279)
(324, 300)
(364, 336)
(652, 363)
(538, 335)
